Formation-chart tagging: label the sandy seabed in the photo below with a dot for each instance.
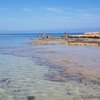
(50, 72)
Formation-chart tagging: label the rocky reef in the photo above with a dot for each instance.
(86, 39)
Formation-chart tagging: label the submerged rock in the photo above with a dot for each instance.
(30, 97)
(17, 90)
(6, 80)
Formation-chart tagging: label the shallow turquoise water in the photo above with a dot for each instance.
(21, 76)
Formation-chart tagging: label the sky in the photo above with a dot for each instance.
(49, 15)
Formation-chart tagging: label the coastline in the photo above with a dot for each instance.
(87, 39)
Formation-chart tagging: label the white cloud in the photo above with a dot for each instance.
(27, 9)
(55, 10)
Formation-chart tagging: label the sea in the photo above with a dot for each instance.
(23, 76)
(9, 40)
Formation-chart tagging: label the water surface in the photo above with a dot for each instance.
(24, 70)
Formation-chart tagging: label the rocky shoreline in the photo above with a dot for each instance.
(87, 39)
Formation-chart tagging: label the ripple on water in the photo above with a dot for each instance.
(21, 78)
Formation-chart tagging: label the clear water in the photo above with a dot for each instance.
(16, 40)
(21, 76)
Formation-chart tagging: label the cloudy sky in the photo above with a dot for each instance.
(49, 15)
